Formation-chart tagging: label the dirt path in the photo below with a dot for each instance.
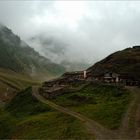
(134, 124)
(93, 127)
(130, 128)
(125, 127)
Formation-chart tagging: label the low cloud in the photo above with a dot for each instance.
(76, 31)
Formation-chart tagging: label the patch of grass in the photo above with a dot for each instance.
(27, 118)
(105, 104)
(12, 82)
(24, 104)
(51, 125)
(7, 124)
(17, 81)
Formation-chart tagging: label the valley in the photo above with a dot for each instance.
(40, 99)
(21, 66)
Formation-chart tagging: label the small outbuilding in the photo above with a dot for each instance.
(111, 77)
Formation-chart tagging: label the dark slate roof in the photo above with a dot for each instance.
(73, 73)
(136, 47)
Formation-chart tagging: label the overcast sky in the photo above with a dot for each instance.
(82, 31)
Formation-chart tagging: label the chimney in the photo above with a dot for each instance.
(85, 74)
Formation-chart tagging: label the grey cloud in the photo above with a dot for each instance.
(50, 46)
(102, 28)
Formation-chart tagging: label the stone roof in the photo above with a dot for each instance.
(136, 47)
(73, 73)
(54, 80)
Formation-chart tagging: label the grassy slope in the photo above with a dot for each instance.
(7, 124)
(19, 81)
(11, 82)
(126, 61)
(26, 117)
(105, 104)
(51, 125)
(23, 104)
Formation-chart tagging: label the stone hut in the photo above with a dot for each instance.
(117, 78)
(76, 75)
(128, 80)
(55, 82)
(111, 77)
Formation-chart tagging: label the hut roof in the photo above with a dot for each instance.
(54, 80)
(73, 73)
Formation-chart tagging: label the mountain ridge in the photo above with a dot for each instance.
(126, 62)
(18, 56)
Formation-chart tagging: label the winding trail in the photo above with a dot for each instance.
(130, 127)
(134, 115)
(93, 127)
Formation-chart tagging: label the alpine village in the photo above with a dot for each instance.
(100, 102)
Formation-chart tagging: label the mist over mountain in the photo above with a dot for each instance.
(51, 47)
(17, 56)
(74, 32)
(59, 51)
(79, 31)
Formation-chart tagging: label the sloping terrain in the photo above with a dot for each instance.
(21, 66)
(27, 118)
(12, 82)
(91, 117)
(126, 61)
(19, 57)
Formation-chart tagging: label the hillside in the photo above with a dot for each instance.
(98, 102)
(126, 61)
(12, 82)
(17, 56)
(27, 118)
